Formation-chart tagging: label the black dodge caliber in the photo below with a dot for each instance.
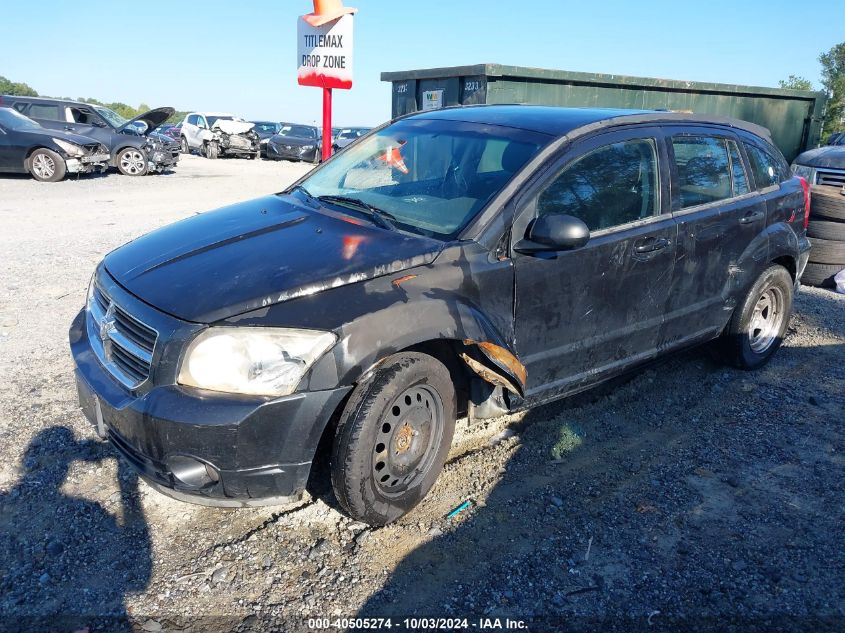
(468, 261)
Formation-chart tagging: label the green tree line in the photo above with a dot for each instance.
(833, 85)
(8, 87)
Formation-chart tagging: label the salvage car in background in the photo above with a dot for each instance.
(466, 261)
(133, 152)
(347, 135)
(215, 134)
(295, 142)
(48, 155)
(824, 169)
(266, 129)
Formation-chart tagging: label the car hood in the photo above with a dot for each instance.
(279, 139)
(829, 156)
(258, 253)
(152, 119)
(232, 127)
(65, 136)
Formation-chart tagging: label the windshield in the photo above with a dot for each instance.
(299, 130)
(212, 119)
(14, 120)
(266, 126)
(111, 116)
(431, 176)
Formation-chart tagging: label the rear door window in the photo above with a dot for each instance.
(704, 170)
(740, 178)
(44, 111)
(609, 186)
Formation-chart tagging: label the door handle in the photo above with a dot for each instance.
(752, 216)
(650, 245)
(70, 128)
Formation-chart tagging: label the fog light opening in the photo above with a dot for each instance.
(192, 473)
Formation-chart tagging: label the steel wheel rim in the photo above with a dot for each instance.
(766, 320)
(132, 162)
(43, 166)
(410, 431)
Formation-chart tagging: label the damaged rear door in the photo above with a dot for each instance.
(719, 216)
(593, 310)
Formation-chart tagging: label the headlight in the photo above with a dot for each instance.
(805, 171)
(255, 361)
(71, 149)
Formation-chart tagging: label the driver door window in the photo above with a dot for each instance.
(611, 185)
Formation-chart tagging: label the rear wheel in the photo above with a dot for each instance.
(132, 161)
(393, 438)
(46, 165)
(757, 327)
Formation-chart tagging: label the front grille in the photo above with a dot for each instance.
(239, 142)
(122, 343)
(833, 177)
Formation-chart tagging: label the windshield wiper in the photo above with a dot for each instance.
(384, 219)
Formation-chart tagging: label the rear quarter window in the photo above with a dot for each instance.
(44, 111)
(768, 169)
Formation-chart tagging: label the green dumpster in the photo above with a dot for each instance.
(793, 116)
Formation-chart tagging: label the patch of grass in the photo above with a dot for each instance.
(569, 438)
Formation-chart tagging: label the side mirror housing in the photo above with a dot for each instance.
(554, 233)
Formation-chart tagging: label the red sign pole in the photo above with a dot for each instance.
(327, 123)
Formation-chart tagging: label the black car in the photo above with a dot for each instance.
(133, 151)
(48, 155)
(465, 261)
(295, 142)
(266, 129)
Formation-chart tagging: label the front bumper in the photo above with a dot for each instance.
(278, 151)
(83, 166)
(160, 160)
(248, 450)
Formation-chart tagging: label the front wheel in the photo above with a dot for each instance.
(132, 161)
(211, 150)
(185, 147)
(759, 323)
(393, 438)
(46, 165)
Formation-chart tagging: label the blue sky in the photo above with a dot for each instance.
(241, 57)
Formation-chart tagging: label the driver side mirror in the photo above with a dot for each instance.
(553, 233)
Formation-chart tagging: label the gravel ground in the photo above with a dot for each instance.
(687, 496)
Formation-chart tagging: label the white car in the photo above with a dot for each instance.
(214, 134)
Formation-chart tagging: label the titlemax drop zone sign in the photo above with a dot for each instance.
(325, 54)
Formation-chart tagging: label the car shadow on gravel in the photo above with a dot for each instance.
(644, 506)
(67, 563)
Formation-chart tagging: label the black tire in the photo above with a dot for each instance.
(211, 150)
(827, 252)
(45, 165)
(185, 148)
(827, 230)
(827, 203)
(131, 161)
(820, 275)
(317, 157)
(380, 471)
(746, 343)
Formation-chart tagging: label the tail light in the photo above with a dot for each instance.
(806, 187)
